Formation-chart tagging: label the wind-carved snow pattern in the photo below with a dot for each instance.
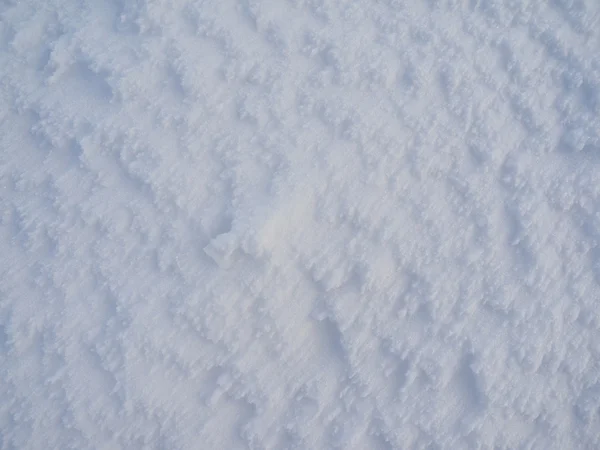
(310, 224)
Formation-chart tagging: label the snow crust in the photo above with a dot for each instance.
(308, 224)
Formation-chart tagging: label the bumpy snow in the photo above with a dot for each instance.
(309, 224)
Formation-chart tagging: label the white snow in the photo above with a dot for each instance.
(311, 224)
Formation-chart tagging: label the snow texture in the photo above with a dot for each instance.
(300, 224)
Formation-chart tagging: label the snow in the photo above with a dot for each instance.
(311, 224)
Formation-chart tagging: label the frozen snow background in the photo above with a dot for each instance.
(309, 224)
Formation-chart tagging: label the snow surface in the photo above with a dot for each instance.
(310, 224)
